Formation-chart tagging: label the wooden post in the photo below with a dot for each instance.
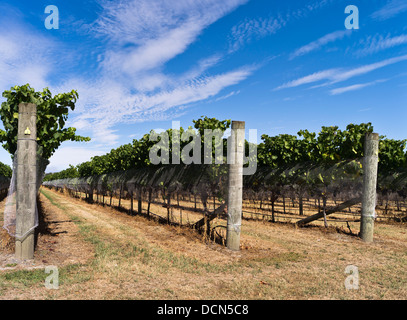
(120, 196)
(235, 191)
(168, 207)
(140, 201)
(131, 203)
(26, 180)
(150, 191)
(370, 164)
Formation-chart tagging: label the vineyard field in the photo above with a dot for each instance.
(187, 209)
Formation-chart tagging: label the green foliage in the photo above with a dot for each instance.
(52, 113)
(330, 158)
(216, 126)
(210, 123)
(5, 170)
(309, 161)
(71, 172)
(353, 142)
(391, 154)
(329, 146)
(136, 154)
(281, 150)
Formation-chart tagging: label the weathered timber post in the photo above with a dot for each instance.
(370, 164)
(150, 191)
(26, 180)
(131, 203)
(140, 201)
(235, 187)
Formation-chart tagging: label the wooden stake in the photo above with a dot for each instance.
(26, 180)
(370, 164)
(140, 201)
(235, 191)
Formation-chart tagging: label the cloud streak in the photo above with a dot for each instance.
(18, 67)
(374, 44)
(150, 33)
(317, 44)
(390, 10)
(141, 38)
(254, 29)
(339, 74)
(354, 87)
(257, 28)
(108, 105)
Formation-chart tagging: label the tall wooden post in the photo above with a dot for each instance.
(370, 163)
(26, 180)
(235, 191)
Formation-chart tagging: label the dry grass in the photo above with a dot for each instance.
(125, 257)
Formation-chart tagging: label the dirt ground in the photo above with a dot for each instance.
(102, 253)
(54, 236)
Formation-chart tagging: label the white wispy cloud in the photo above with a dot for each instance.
(342, 76)
(309, 8)
(17, 67)
(373, 44)
(355, 87)
(154, 32)
(349, 88)
(254, 29)
(251, 29)
(231, 94)
(153, 53)
(390, 10)
(107, 106)
(141, 37)
(139, 21)
(314, 77)
(28, 55)
(339, 74)
(317, 44)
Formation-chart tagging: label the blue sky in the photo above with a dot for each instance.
(281, 66)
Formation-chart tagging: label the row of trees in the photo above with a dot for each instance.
(331, 145)
(305, 161)
(324, 165)
(318, 164)
(136, 155)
